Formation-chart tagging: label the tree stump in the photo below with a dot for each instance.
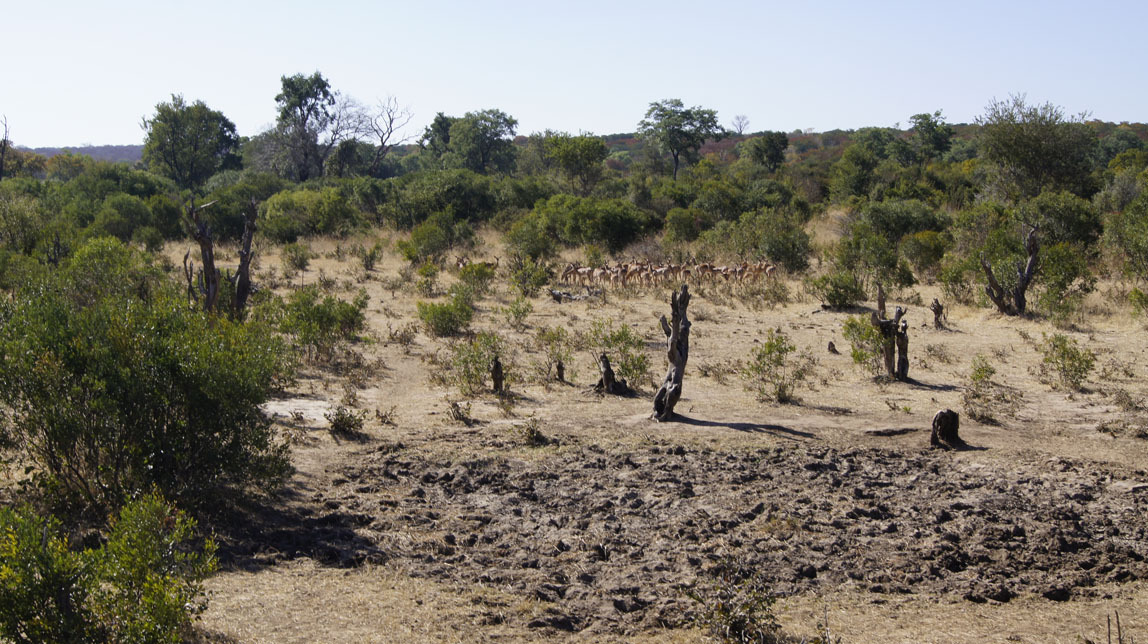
(496, 375)
(607, 383)
(880, 301)
(945, 425)
(560, 370)
(677, 352)
(938, 312)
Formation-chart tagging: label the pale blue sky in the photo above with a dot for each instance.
(81, 72)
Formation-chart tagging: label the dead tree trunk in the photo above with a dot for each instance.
(497, 377)
(895, 336)
(607, 383)
(938, 312)
(881, 301)
(242, 279)
(903, 351)
(209, 274)
(677, 352)
(560, 371)
(945, 425)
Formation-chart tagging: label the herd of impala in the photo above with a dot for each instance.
(645, 273)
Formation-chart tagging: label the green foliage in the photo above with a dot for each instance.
(432, 238)
(446, 319)
(555, 345)
(305, 111)
(233, 193)
(114, 385)
(143, 585)
(1066, 361)
(189, 143)
(771, 373)
(45, 589)
(768, 150)
(738, 611)
(150, 582)
(346, 422)
(925, 250)
(290, 215)
(776, 236)
(478, 276)
(625, 348)
(837, 290)
(1139, 301)
(528, 277)
(427, 275)
(1065, 280)
(679, 131)
(482, 142)
(530, 237)
(470, 361)
(419, 195)
(1126, 233)
(579, 157)
(370, 256)
(1032, 148)
(296, 258)
(613, 223)
(320, 323)
(982, 372)
(517, 312)
(865, 343)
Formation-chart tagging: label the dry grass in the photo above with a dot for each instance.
(302, 601)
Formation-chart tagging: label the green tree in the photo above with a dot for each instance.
(483, 141)
(768, 150)
(1032, 148)
(679, 131)
(313, 120)
(579, 157)
(189, 143)
(931, 135)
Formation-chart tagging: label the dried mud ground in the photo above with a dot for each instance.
(424, 529)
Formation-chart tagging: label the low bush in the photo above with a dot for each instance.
(1064, 363)
(625, 348)
(772, 374)
(528, 277)
(470, 362)
(837, 290)
(321, 322)
(865, 343)
(738, 611)
(145, 584)
(446, 319)
(516, 313)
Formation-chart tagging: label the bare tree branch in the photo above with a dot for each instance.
(383, 124)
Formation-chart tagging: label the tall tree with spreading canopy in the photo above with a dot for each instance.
(768, 150)
(679, 131)
(1032, 148)
(189, 142)
(931, 135)
(483, 141)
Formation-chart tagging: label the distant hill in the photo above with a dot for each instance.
(113, 153)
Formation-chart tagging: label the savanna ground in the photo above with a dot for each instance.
(426, 529)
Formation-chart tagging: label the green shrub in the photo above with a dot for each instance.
(296, 258)
(289, 215)
(370, 257)
(1067, 361)
(321, 322)
(143, 585)
(531, 237)
(112, 389)
(517, 312)
(427, 279)
(625, 348)
(346, 422)
(771, 373)
(478, 276)
(837, 290)
(865, 342)
(1139, 301)
(529, 277)
(982, 372)
(924, 250)
(450, 318)
(554, 344)
(431, 239)
(470, 362)
(150, 579)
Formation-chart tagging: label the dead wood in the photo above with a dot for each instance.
(677, 333)
(946, 423)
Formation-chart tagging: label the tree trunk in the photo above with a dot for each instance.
(903, 351)
(607, 383)
(496, 375)
(243, 274)
(560, 371)
(209, 274)
(677, 352)
(895, 336)
(938, 312)
(945, 425)
(1025, 271)
(880, 302)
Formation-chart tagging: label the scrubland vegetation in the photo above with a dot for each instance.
(134, 411)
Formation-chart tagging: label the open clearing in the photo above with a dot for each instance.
(424, 529)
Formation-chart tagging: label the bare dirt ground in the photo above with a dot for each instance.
(424, 529)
